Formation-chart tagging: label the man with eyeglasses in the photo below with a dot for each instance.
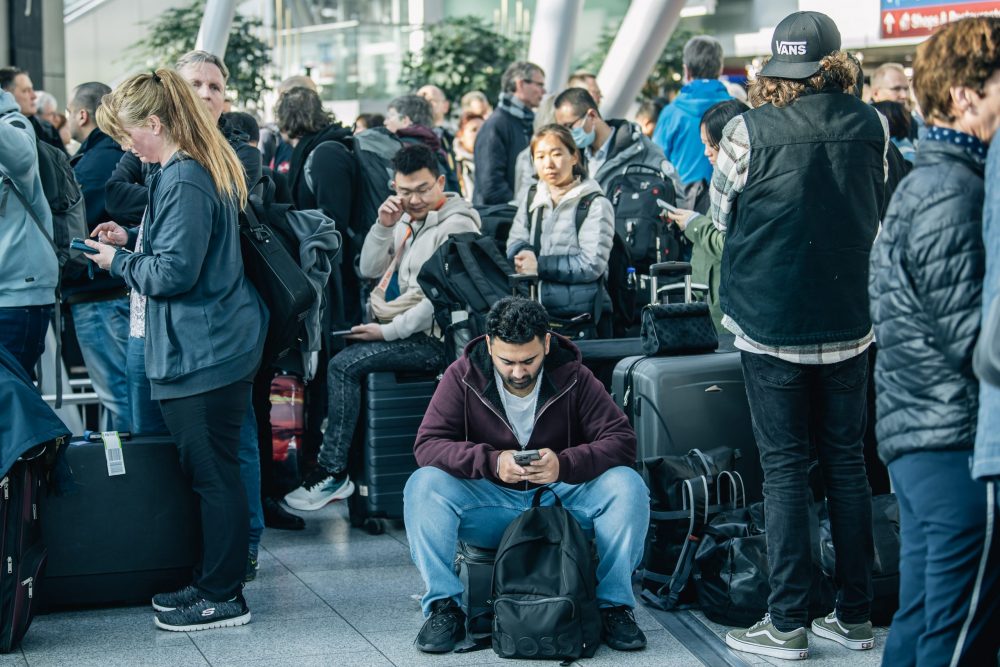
(506, 133)
(412, 224)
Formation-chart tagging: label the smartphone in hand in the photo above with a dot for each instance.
(342, 332)
(78, 244)
(664, 205)
(526, 456)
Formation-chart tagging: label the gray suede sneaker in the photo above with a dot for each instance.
(855, 636)
(763, 638)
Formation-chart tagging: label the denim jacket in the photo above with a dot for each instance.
(986, 462)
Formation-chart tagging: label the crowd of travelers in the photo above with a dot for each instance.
(822, 217)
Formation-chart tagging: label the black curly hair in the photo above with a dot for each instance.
(517, 320)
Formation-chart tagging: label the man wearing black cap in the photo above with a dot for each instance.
(798, 188)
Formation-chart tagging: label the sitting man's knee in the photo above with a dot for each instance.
(424, 482)
(625, 485)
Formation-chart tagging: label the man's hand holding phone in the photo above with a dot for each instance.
(535, 466)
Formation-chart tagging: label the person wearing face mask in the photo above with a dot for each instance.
(611, 145)
(544, 240)
(706, 240)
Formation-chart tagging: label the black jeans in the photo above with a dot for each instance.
(800, 411)
(22, 332)
(206, 428)
(418, 352)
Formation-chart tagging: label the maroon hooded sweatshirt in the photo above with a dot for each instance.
(465, 427)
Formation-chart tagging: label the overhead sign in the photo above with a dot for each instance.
(918, 18)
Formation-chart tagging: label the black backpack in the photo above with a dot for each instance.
(651, 240)
(373, 151)
(545, 587)
(464, 277)
(495, 221)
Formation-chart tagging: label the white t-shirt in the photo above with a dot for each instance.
(520, 411)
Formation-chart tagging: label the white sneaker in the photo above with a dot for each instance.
(318, 489)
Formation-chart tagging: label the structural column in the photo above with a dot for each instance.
(213, 36)
(643, 34)
(552, 38)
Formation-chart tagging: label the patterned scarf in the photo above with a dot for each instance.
(515, 108)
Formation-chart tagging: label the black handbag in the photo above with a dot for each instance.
(986, 358)
(676, 328)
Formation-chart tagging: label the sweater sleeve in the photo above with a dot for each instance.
(704, 234)
(18, 154)
(608, 438)
(595, 240)
(441, 438)
(181, 247)
(126, 191)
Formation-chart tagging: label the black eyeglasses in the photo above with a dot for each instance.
(571, 124)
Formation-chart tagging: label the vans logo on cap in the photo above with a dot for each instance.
(792, 48)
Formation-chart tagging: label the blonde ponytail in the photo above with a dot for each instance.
(165, 94)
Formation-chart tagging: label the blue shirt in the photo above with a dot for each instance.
(678, 130)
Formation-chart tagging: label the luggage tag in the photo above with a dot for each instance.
(113, 453)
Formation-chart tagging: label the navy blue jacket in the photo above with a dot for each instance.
(500, 140)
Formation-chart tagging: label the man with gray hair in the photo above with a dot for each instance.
(506, 133)
(411, 118)
(678, 129)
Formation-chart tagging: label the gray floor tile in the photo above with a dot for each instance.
(324, 526)
(381, 552)
(277, 639)
(370, 659)
(189, 656)
(14, 659)
(292, 599)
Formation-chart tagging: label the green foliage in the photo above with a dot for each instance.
(667, 74)
(175, 31)
(459, 55)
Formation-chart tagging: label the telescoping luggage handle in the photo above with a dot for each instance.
(666, 269)
(518, 279)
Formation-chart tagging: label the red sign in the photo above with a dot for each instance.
(922, 21)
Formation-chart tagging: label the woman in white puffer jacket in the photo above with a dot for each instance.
(571, 263)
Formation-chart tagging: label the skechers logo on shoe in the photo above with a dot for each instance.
(792, 48)
(208, 612)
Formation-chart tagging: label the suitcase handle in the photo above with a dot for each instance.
(517, 279)
(669, 269)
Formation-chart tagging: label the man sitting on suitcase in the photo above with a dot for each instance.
(412, 224)
(519, 389)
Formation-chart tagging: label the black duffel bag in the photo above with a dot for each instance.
(732, 583)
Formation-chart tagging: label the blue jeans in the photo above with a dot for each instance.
(798, 411)
(949, 585)
(102, 331)
(419, 352)
(145, 412)
(147, 418)
(22, 332)
(440, 509)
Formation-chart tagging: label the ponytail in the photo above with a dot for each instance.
(165, 94)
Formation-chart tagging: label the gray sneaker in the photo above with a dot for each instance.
(203, 614)
(855, 636)
(763, 638)
(319, 488)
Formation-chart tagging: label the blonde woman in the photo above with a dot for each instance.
(205, 324)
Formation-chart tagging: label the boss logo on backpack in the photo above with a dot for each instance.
(538, 647)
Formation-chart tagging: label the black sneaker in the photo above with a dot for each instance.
(204, 614)
(171, 601)
(276, 516)
(620, 631)
(444, 628)
(253, 564)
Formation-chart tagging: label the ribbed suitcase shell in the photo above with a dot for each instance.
(393, 406)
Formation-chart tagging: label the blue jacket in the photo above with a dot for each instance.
(925, 288)
(205, 324)
(29, 270)
(986, 463)
(500, 140)
(678, 128)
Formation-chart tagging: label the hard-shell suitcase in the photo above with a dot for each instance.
(393, 405)
(119, 538)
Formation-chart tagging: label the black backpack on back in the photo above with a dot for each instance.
(464, 277)
(373, 151)
(651, 240)
(545, 587)
(495, 221)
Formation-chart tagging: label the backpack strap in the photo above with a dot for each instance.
(695, 497)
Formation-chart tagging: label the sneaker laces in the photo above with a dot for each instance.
(443, 615)
(621, 616)
(762, 622)
(315, 477)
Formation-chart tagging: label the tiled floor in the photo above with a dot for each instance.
(329, 595)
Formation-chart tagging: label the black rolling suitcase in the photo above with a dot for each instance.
(685, 402)
(127, 527)
(393, 405)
